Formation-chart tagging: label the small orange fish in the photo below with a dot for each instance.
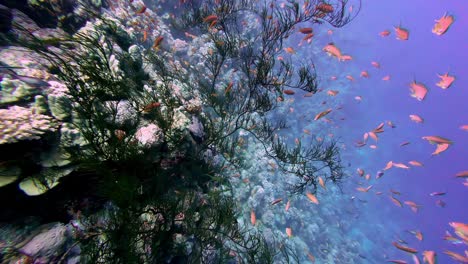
(332, 50)
(290, 50)
(345, 58)
(415, 163)
(332, 92)
(414, 207)
(416, 118)
(312, 198)
(395, 201)
(464, 127)
(324, 7)
(210, 19)
(276, 201)
(289, 92)
(405, 248)
(384, 33)
(429, 257)
(456, 256)
(157, 42)
(360, 172)
(149, 107)
(362, 189)
(288, 204)
(322, 114)
(446, 81)
(322, 182)
(120, 134)
(462, 174)
(364, 74)
(442, 25)
(306, 31)
(145, 36)
(401, 33)
(375, 64)
(389, 165)
(386, 78)
(437, 140)
(400, 165)
(418, 90)
(253, 218)
(440, 148)
(358, 98)
(289, 231)
(373, 135)
(311, 257)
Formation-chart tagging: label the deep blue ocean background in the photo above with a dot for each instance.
(420, 58)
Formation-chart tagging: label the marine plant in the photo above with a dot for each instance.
(167, 198)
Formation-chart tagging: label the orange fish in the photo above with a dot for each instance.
(384, 33)
(415, 163)
(440, 148)
(462, 174)
(345, 58)
(390, 124)
(288, 204)
(404, 143)
(456, 256)
(145, 36)
(416, 118)
(446, 81)
(395, 201)
(324, 7)
(358, 98)
(311, 257)
(332, 92)
(400, 165)
(157, 42)
(413, 205)
(288, 231)
(418, 90)
(289, 92)
(401, 33)
(418, 235)
(312, 198)
(253, 218)
(322, 114)
(364, 74)
(389, 165)
(442, 25)
(307, 30)
(386, 78)
(416, 259)
(376, 64)
(429, 257)
(322, 182)
(349, 77)
(210, 19)
(464, 127)
(362, 189)
(405, 248)
(437, 140)
(290, 50)
(373, 135)
(276, 201)
(332, 50)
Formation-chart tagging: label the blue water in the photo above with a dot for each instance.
(420, 58)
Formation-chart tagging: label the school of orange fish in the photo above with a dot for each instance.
(417, 90)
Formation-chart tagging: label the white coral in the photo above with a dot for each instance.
(150, 135)
(19, 123)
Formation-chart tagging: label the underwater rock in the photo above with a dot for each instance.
(19, 123)
(48, 243)
(125, 115)
(60, 107)
(5, 19)
(71, 136)
(150, 135)
(14, 90)
(40, 105)
(196, 130)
